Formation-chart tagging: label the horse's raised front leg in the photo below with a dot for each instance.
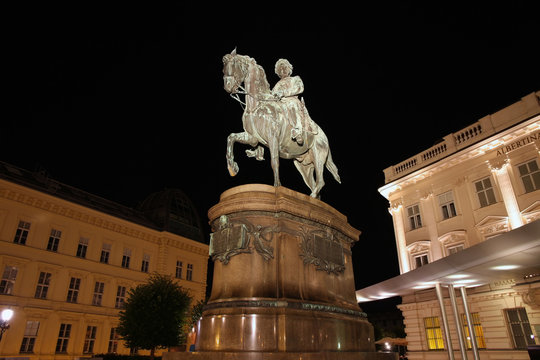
(244, 138)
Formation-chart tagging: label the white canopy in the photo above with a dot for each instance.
(512, 255)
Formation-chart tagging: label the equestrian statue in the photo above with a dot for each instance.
(277, 119)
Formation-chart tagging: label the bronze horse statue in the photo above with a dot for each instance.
(265, 122)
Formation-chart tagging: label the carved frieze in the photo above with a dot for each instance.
(233, 237)
(532, 297)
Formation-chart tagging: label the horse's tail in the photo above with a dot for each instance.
(332, 167)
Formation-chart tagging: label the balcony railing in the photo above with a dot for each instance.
(485, 127)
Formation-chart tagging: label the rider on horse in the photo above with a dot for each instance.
(286, 90)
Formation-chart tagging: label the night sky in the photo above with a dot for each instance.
(125, 100)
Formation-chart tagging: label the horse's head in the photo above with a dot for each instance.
(234, 71)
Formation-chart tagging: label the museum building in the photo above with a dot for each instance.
(69, 258)
(465, 215)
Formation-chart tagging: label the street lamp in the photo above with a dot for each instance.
(4, 321)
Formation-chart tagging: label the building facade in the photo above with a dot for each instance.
(475, 184)
(68, 260)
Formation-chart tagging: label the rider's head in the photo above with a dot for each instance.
(283, 68)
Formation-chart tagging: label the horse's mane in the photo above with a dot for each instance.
(262, 82)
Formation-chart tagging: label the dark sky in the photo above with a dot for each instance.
(125, 100)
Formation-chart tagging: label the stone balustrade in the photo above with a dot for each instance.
(454, 142)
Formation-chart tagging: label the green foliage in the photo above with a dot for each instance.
(154, 313)
(191, 319)
(196, 313)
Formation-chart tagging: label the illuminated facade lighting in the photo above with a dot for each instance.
(476, 184)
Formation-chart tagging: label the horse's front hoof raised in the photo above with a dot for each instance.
(233, 168)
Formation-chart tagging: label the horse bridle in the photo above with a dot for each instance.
(240, 90)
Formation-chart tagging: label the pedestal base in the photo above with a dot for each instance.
(283, 283)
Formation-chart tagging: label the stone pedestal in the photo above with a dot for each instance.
(283, 284)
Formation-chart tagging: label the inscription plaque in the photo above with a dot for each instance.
(320, 249)
(328, 250)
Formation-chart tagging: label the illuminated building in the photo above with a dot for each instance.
(465, 214)
(69, 258)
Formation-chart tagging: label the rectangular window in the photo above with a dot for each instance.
(63, 338)
(178, 269)
(189, 272)
(8, 280)
(98, 293)
(22, 233)
(29, 338)
(530, 175)
(484, 191)
(105, 251)
(126, 258)
(421, 260)
(113, 342)
(433, 333)
(145, 263)
(446, 202)
(415, 221)
(54, 240)
(478, 331)
(521, 331)
(73, 291)
(120, 297)
(89, 339)
(81, 248)
(43, 285)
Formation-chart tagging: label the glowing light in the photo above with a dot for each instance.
(458, 276)
(361, 299)
(466, 281)
(505, 267)
(7, 314)
(425, 285)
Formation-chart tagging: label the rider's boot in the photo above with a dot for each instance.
(296, 135)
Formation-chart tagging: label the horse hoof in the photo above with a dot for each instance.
(233, 169)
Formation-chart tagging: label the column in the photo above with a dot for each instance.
(462, 344)
(470, 324)
(429, 221)
(509, 197)
(401, 244)
(445, 322)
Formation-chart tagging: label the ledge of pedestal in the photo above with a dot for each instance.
(260, 197)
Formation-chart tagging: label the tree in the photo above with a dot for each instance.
(195, 314)
(153, 314)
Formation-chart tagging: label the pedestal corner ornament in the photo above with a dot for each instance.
(237, 237)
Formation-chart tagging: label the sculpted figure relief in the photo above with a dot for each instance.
(277, 119)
